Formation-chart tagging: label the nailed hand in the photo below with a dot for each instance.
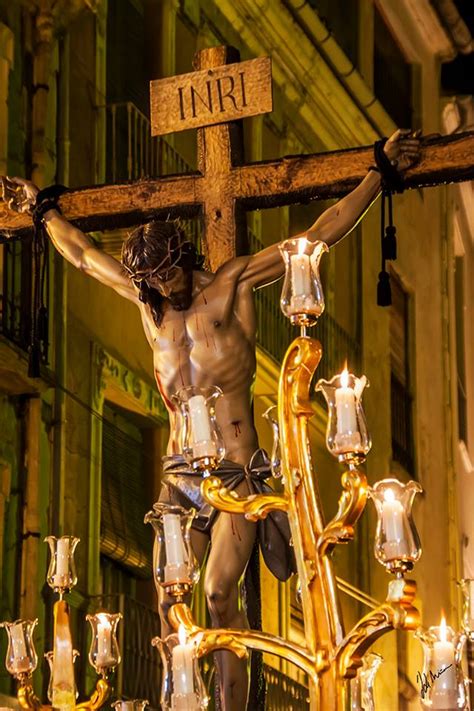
(403, 148)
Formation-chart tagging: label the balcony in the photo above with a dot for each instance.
(16, 299)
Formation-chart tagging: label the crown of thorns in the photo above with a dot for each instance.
(177, 246)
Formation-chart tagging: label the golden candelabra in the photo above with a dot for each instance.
(104, 653)
(330, 656)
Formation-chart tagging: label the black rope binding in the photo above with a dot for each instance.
(47, 199)
(392, 182)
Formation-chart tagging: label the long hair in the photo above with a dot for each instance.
(152, 246)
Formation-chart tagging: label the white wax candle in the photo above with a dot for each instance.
(61, 577)
(20, 662)
(200, 427)
(395, 545)
(300, 275)
(104, 643)
(444, 672)
(176, 567)
(182, 667)
(346, 411)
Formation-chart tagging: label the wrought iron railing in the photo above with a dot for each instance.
(283, 693)
(402, 424)
(132, 152)
(275, 331)
(16, 297)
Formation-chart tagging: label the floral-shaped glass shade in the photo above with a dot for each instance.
(21, 656)
(201, 438)
(347, 436)
(104, 652)
(397, 545)
(271, 416)
(442, 682)
(302, 298)
(49, 656)
(362, 686)
(62, 574)
(130, 704)
(182, 686)
(174, 561)
(467, 587)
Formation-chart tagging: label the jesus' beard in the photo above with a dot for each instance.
(182, 300)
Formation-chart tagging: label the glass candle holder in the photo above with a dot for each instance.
(182, 686)
(21, 659)
(201, 438)
(397, 545)
(174, 562)
(442, 682)
(62, 574)
(130, 704)
(347, 436)
(271, 417)
(104, 652)
(362, 686)
(49, 656)
(302, 298)
(467, 588)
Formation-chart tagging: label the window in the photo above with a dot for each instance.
(401, 400)
(392, 75)
(125, 542)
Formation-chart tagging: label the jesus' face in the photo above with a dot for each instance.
(174, 284)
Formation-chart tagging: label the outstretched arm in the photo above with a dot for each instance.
(339, 220)
(74, 245)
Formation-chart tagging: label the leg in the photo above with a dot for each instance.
(232, 539)
(199, 543)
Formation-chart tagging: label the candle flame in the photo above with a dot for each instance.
(104, 619)
(388, 495)
(442, 628)
(182, 634)
(344, 378)
(302, 245)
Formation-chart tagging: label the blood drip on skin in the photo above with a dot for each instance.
(168, 403)
(237, 430)
(235, 532)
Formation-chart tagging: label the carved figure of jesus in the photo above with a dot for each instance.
(201, 328)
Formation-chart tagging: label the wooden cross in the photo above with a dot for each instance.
(225, 187)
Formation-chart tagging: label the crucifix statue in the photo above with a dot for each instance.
(201, 324)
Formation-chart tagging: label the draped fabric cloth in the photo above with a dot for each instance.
(273, 532)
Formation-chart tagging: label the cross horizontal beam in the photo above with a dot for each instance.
(288, 180)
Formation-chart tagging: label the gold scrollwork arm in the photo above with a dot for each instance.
(398, 612)
(351, 505)
(239, 640)
(27, 697)
(253, 507)
(99, 696)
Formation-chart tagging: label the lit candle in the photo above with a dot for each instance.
(347, 435)
(202, 443)
(176, 568)
(21, 661)
(395, 546)
(105, 658)
(471, 603)
(61, 577)
(300, 274)
(183, 698)
(444, 692)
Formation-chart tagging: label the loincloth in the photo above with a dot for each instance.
(184, 488)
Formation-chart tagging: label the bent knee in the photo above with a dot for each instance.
(222, 601)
